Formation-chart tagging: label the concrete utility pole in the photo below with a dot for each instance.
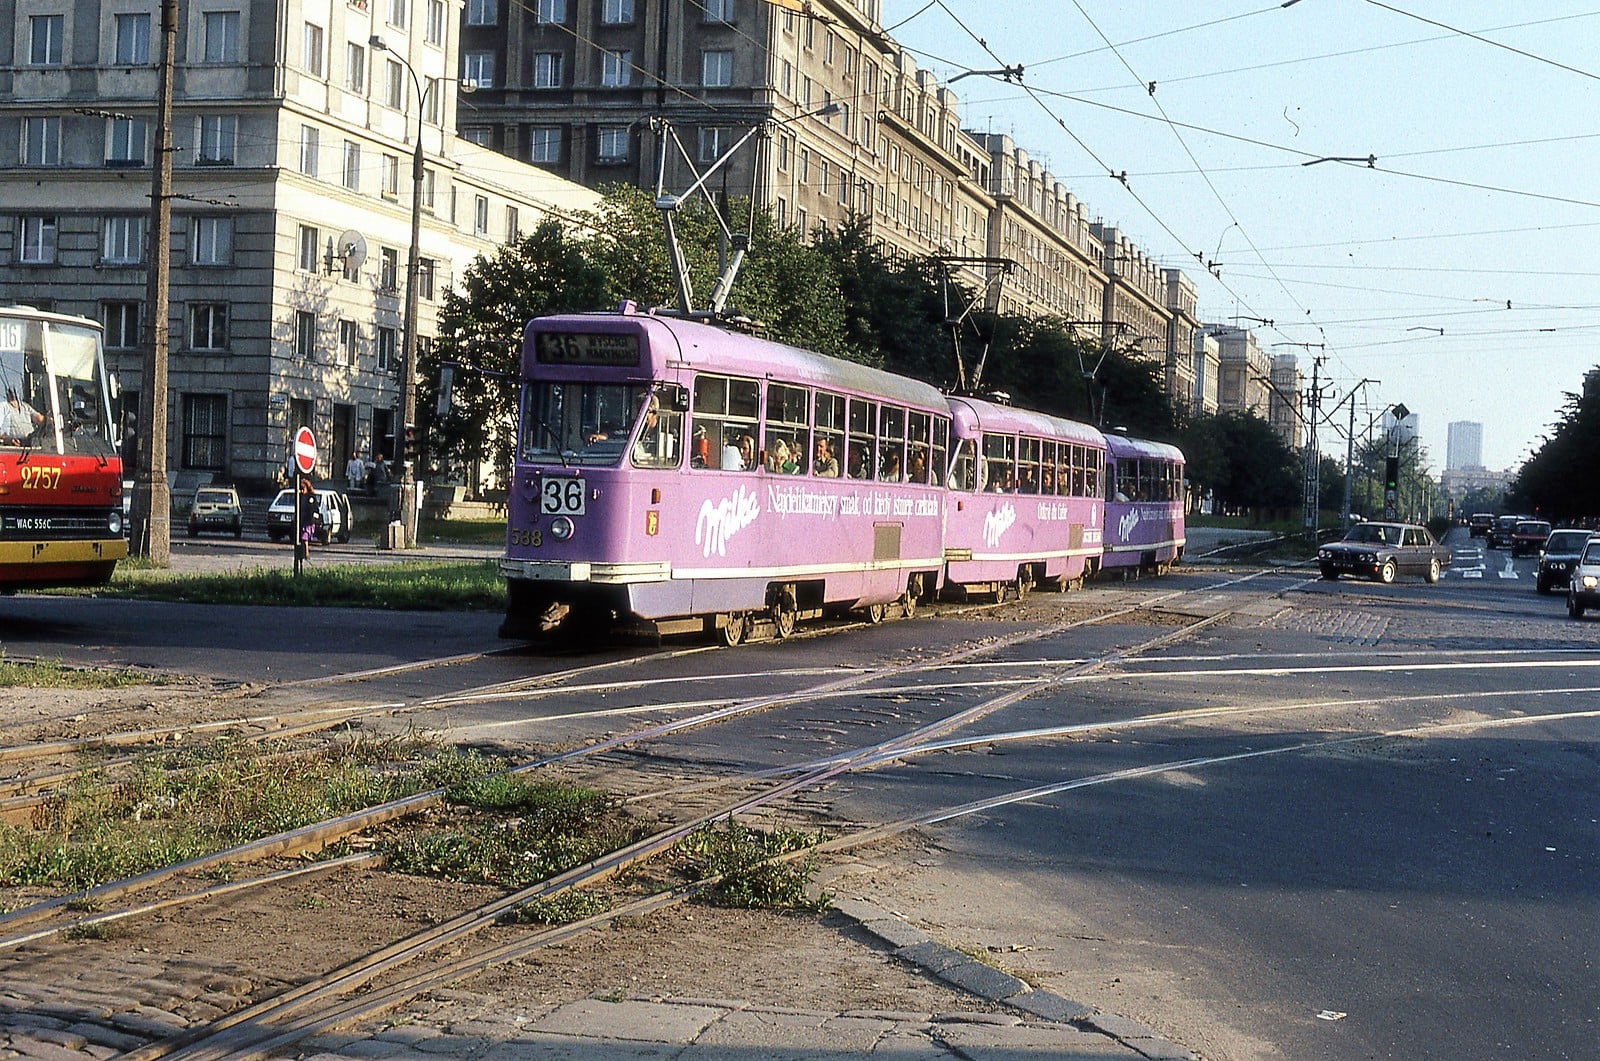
(1313, 487)
(1350, 452)
(151, 511)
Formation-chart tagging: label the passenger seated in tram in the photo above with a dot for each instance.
(747, 452)
(890, 472)
(917, 472)
(732, 458)
(826, 464)
(781, 459)
(863, 466)
(1049, 479)
(999, 479)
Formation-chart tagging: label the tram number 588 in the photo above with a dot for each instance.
(562, 497)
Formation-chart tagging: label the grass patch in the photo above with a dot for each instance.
(742, 856)
(563, 908)
(465, 585)
(201, 800)
(463, 531)
(533, 831)
(51, 674)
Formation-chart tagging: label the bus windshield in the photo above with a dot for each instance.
(585, 423)
(51, 399)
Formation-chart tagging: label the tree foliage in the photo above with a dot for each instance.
(1557, 481)
(1241, 462)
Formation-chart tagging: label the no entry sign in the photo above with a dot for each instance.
(305, 451)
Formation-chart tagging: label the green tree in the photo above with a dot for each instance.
(1558, 482)
(1242, 463)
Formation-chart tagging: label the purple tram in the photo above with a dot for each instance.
(1025, 504)
(698, 479)
(1144, 506)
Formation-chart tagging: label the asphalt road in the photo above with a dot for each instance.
(1350, 821)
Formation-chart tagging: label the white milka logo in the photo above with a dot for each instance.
(997, 523)
(721, 521)
(1127, 523)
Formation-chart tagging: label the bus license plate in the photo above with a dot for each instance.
(561, 497)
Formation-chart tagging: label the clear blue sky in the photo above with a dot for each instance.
(1486, 188)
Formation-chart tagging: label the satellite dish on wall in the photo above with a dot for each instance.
(352, 248)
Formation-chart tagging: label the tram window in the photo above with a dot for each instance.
(1080, 473)
(786, 443)
(1047, 468)
(891, 444)
(963, 470)
(725, 426)
(918, 430)
(1028, 465)
(999, 463)
(862, 456)
(830, 425)
(941, 437)
(660, 437)
(1094, 472)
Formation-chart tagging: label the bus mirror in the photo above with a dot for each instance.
(679, 399)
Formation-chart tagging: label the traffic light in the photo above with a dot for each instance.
(1391, 474)
(413, 443)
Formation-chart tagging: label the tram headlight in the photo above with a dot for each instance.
(561, 528)
(114, 522)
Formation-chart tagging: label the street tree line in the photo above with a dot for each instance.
(839, 294)
(1558, 482)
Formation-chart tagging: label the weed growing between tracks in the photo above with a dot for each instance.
(51, 674)
(750, 864)
(467, 585)
(179, 805)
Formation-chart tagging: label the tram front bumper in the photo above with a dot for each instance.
(583, 571)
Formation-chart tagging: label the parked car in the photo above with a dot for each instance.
(216, 508)
(1583, 591)
(1529, 536)
(1478, 524)
(1384, 551)
(1499, 536)
(1561, 552)
(334, 522)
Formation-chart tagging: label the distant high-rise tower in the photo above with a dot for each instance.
(1464, 445)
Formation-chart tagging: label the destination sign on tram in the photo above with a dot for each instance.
(587, 348)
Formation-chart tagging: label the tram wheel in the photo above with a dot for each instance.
(735, 629)
(784, 614)
(1024, 583)
(908, 605)
(876, 612)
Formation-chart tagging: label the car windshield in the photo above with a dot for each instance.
(1566, 541)
(578, 423)
(213, 497)
(1591, 552)
(1533, 528)
(53, 371)
(1377, 533)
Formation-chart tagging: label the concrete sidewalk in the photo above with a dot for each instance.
(1019, 1023)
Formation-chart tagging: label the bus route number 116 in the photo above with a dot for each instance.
(561, 497)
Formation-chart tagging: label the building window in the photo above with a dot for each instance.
(547, 69)
(122, 325)
(827, 49)
(512, 225)
(714, 140)
(125, 141)
(483, 12)
(394, 85)
(122, 240)
(477, 69)
(315, 54)
(716, 69)
(616, 12)
(389, 176)
(718, 10)
(41, 141)
(822, 177)
(352, 165)
(480, 215)
(389, 270)
(205, 431)
(612, 145)
(544, 144)
(219, 137)
(800, 221)
(425, 271)
(805, 165)
(222, 36)
(349, 344)
(355, 67)
(387, 345)
(133, 40)
(781, 214)
(786, 79)
(430, 180)
(433, 106)
(785, 148)
(310, 137)
(309, 243)
(616, 68)
(477, 134)
(44, 39)
(551, 11)
(213, 241)
(38, 243)
(305, 333)
(208, 326)
(438, 13)
(399, 12)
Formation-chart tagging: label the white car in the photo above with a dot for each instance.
(333, 516)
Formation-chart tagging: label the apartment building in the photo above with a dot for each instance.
(293, 134)
(1243, 370)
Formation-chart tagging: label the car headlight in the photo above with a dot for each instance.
(1323, 554)
(114, 522)
(1590, 581)
(561, 528)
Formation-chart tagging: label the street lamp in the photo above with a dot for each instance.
(403, 431)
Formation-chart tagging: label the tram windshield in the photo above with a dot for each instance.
(589, 424)
(51, 398)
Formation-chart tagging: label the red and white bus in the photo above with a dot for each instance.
(60, 472)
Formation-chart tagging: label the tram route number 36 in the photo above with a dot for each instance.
(562, 497)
